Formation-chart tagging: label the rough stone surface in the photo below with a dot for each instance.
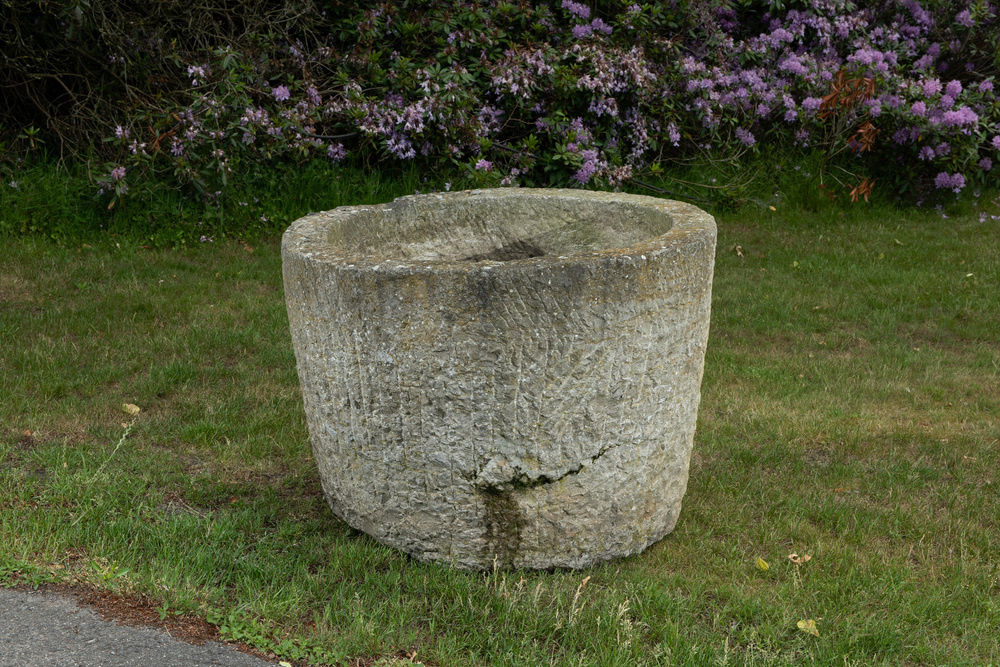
(503, 374)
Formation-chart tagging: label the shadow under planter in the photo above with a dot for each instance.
(503, 374)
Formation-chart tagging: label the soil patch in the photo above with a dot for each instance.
(139, 612)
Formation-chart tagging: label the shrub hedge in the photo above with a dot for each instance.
(506, 93)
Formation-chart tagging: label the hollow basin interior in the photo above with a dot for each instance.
(455, 228)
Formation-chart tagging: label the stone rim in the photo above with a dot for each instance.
(307, 235)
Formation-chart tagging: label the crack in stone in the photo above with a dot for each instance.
(522, 481)
(503, 517)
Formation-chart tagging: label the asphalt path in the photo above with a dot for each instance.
(50, 629)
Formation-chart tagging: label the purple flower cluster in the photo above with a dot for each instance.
(960, 117)
(745, 137)
(576, 9)
(336, 152)
(281, 93)
(599, 99)
(589, 167)
(582, 12)
(955, 182)
(197, 74)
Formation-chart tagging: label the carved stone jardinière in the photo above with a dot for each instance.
(509, 375)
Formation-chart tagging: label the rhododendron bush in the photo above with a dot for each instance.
(572, 93)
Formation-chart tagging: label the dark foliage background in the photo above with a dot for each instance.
(75, 68)
(544, 93)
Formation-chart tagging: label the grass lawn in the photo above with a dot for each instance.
(850, 412)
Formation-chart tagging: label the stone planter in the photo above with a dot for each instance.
(509, 375)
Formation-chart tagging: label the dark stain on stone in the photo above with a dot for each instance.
(483, 288)
(504, 520)
(519, 249)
